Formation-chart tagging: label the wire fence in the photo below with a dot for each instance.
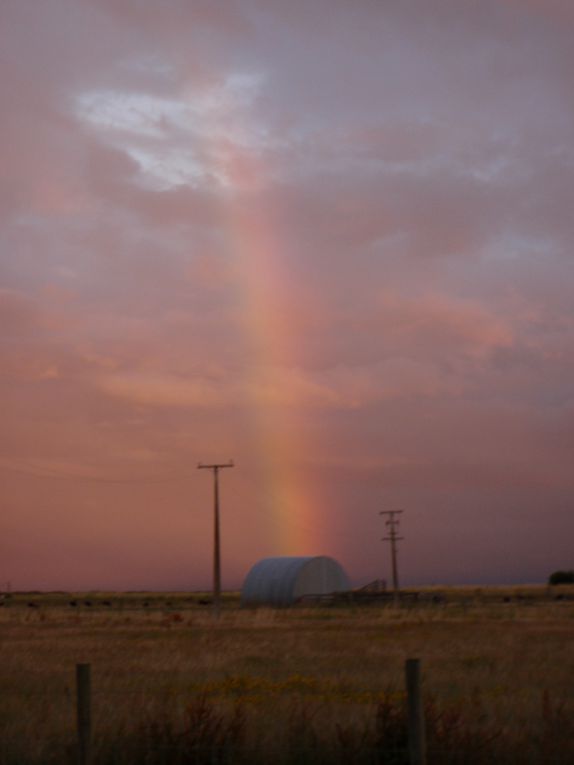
(405, 732)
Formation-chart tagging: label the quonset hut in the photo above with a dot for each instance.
(282, 581)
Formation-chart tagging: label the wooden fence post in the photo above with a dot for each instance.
(415, 711)
(84, 711)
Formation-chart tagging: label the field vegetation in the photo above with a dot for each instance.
(315, 684)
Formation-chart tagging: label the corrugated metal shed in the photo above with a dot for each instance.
(281, 581)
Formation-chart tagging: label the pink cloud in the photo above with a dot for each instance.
(443, 323)
(162, 390)
(18, 312)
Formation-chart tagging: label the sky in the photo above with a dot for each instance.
(332, 241)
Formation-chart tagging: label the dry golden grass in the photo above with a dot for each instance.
(506, 666)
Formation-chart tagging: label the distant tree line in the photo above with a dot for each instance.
(561, 577)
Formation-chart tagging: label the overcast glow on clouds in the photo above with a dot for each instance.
(178, 137)
(332, 241)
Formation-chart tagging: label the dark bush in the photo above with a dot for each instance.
(561, 577)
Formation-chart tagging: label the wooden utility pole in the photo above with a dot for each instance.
(393, 537)
(216, 545)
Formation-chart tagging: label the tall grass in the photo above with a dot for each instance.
(170, 685)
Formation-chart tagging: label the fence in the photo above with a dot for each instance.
(405, 732)
(415, 714)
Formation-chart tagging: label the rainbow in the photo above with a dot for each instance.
(274, 399)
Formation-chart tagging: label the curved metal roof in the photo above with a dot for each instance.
(281, 581)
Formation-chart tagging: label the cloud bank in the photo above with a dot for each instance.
(332, 241)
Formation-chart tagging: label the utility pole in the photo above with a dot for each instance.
(216, 547)
(392, 524)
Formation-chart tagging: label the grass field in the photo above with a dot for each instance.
(321, 684)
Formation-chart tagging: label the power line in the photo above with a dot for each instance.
(392, 525)
(216, 546)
